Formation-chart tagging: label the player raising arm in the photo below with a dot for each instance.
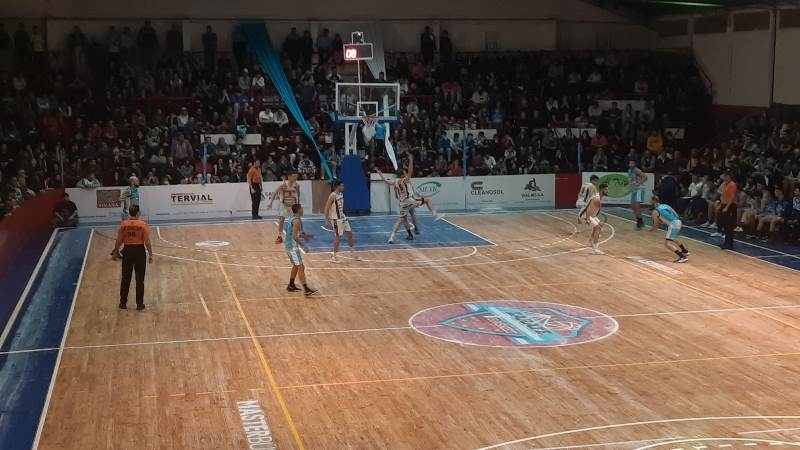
(402, 192)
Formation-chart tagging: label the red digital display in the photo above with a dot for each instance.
(357, 52)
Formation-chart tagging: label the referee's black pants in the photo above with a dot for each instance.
(134, 259)
(255, 196)
(728, 223)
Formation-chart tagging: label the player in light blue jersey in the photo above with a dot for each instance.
(636, 180)
(663, 213)
(130, 196)
(294, 243)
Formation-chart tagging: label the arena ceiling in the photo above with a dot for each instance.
(650, 9)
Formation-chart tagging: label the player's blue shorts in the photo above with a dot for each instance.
(295, 256)
(637, 195)
(674, 230)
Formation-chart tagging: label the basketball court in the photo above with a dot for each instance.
(488, 331)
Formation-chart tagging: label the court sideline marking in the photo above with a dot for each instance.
(262, 357)
(13, 317)
(46, 407)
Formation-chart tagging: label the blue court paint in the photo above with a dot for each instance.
(25, 377)
(776, 253)
(13, 282)
(372, 233)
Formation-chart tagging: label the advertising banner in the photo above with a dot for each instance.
(180, 201)
(445, 193)
(511, 191)
(97, 205)
(619, 192)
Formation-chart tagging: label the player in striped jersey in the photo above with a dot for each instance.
(592, 210)
(588, 191)
(402, 192)
(663, 213)
(334, 215)
(289, 192)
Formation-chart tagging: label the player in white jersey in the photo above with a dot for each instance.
(402, 192)
(289, 192)
(334, 215)
(588, 190)
(592, 211)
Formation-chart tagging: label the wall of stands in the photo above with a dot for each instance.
(15, 230)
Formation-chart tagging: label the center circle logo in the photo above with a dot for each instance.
(511, 323)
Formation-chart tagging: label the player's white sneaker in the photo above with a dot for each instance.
(682, 259)
(597, 251)
(335, 260)
(438, 216)
(716, 234)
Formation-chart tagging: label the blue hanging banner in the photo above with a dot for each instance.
(259, 42)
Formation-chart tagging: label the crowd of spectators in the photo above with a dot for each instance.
(762, 155)
(125, 103)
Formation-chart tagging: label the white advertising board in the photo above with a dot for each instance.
(446, 193)
(179, 201)
(619, 192)
(511, 191)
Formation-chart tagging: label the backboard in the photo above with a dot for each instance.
(356, 100)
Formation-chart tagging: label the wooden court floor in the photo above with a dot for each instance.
(703, 355)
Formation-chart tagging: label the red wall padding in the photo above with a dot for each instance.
(567, 187)
(15, 230)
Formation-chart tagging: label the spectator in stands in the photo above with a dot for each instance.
(776, 212)
(600, 161)
(427, 45)
(325, 46)
(5, 49)
(22, 46)
(174, 42)
(147, 41)
(181, 149)
(445, 48)
(210, 48)
(90, 181)
(65, 213)
(293, 47)
(38, 47)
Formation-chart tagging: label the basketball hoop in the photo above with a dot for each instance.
(368, 127)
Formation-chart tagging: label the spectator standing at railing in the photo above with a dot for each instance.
(127, 43)
(292, 47)
(147, 41)
(39, 58)
(427, 45)
(210, 49)
(174, 43)
(324, 46)
(5, 49)
(445, 48)
(22, 45)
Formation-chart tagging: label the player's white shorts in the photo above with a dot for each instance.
(295, 256)
(594, 221)
(285, 211)
(341, 226)
(583, 212)
(674, 230)
(409, 204)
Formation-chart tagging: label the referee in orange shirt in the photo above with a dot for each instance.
(135, 236)
(256, 184)
(727, 212)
